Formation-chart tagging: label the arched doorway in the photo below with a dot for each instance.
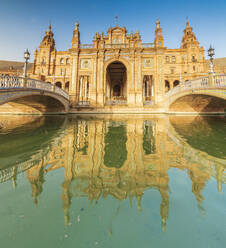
(175, 83)
(67, 86)
(167, 86)
(148, 88)
(59, 84)
(116, 87)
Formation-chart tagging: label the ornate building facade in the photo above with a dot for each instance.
(117, 68)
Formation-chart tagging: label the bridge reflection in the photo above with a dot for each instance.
(123, 157)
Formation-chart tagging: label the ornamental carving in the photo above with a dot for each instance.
(148, 63)
(85, 64)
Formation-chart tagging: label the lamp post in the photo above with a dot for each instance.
(26, 57)
(211, 53)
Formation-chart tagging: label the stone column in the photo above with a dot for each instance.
(101, 83)
(138, 86)
(81, 91)
(74, 85)
(93, 84)
(159, 80)
(131, 81)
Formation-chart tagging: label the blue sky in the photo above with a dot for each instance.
(23, 23)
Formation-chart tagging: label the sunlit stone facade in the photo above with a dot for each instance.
(117, 69)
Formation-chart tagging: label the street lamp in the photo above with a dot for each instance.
(211, 53)
(26, 57)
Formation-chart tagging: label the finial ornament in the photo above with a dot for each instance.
(116, 20)
(76, 25)
(158, 23)
(187, 21)
(50, 26)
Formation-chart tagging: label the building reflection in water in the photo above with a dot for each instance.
(123, 157)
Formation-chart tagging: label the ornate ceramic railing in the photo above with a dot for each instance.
(121, 45)
(218, 81)
(147, 45)
(83, 103)
(116, 100)
(86, 46)
(11, 82)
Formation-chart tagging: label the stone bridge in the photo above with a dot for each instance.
(13, 88)
(212, 86)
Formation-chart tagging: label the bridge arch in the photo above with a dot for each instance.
(200, 103)
(38, 95)
(34, 102)
(198, 95)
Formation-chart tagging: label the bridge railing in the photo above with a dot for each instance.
(219, 80)
(204, 82)
(12, 82)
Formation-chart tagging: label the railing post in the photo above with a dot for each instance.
(211, 79)
(24, 82)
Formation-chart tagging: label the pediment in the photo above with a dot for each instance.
(117, 30)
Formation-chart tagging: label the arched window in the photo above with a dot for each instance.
(167, 59)
(167, 86)
(61, 61)
(175, 83)
(173, 59)
(67, 61)
(43, 60)
(67, 86)
(59, 84)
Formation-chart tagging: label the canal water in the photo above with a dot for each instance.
(113, 181)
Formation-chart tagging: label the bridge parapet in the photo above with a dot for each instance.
(12, 82)
(196, 86)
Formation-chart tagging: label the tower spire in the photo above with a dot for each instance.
(76, 36)
(50, 26)
(116, 20)
(157, 23)
(187, 22)
(159, 41)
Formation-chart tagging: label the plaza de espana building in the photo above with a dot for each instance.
(117, 69)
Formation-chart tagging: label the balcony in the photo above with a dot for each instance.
(116, 100)
(147, 45)
(86, 46)
(83, 103)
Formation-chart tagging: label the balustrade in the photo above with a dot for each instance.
(116, 100)
(218, 81)
(147, 45)
(83, 103)
(85, 46)
(11, 82)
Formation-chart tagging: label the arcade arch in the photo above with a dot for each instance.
(116, 81)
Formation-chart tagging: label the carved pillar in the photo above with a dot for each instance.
(93, 84)
(131, 81)
(101, 83)
(74, 85)
(139, 101)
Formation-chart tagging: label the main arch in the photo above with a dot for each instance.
(116, 82)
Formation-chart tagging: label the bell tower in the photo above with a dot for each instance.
(45, 55)
(189, 38)
(159, 40)
(75, 42)
(48, 40)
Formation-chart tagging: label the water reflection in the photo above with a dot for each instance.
(121, 156)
